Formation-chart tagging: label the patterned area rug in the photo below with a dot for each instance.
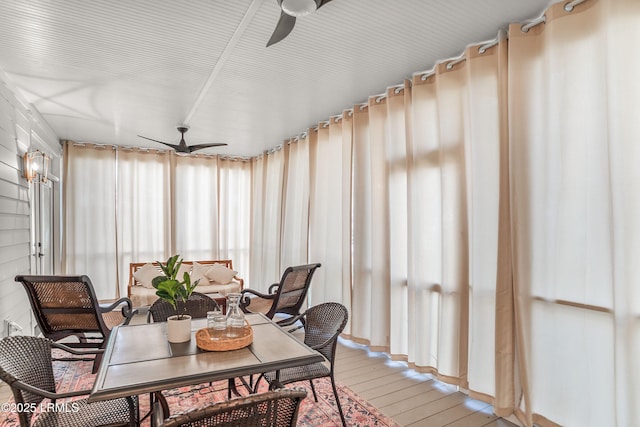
(358, 412)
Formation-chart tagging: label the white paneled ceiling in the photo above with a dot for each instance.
(106, 71)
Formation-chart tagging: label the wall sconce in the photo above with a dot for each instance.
(36, 166)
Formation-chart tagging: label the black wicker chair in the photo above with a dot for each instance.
(286, 297)
(324, 323)
(26, 366)
(277, 408)
(67, 306)
(197, 306)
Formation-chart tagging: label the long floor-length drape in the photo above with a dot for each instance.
(487, 121)
(143, 215)
(370, 287)
(295, 215)
(573, 97)
(395, 142)
(453, 211)
(195, 207)
(266, 242)
(89, 216)
(330, 211)
(234, 207)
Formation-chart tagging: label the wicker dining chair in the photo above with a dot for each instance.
(67, 306)
(323, 324)
(197, 306)
(26, 366)
(286, 297)
(277, 408)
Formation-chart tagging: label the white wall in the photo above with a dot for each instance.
(21, 127)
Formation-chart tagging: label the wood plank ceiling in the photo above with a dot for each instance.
(106, 71)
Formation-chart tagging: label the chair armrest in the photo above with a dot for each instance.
(49, 395)
(239, 280)
(104, 308)
(127, 310)
(76, 351)
(256, 293)
(245, 299)
(274, 288)
(324, 344)
(291, 320)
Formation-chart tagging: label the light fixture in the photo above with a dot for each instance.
(299, 7)
(36, 166)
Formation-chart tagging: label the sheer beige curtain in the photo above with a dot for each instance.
(440, 280)
(266, 195)
(234, 208)
(380, 242)
(455, 128)
(89, 243)
(295, 210)
(395, 140)
(491, 353)
(195, 207)
(574, 97)
(330, 211)
(370, 288)
(143, 215)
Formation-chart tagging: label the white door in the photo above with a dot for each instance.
(42, 228)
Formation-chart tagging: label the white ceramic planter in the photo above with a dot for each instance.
(179, 330)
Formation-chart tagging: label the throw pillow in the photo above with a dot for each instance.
(184, 268)
(220, 274)
(199, 271)
(146, 274)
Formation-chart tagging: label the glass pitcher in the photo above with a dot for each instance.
(235, 316)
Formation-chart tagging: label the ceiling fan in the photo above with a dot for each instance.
(290, 10)
(182, 146)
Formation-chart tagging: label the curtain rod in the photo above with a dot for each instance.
(149, 150)
(424, 75)
(568, 7)
(456, 61)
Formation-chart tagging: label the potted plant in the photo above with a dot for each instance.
(171, 289)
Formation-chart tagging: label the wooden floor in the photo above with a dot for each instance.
(410, 398)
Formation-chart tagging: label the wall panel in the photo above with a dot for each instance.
(16, 237)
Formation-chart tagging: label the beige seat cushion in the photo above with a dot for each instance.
(141, 296)
(260, 305)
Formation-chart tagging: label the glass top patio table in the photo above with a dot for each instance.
(138, 359)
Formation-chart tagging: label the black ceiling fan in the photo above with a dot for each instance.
(290, 9)
(182, 146)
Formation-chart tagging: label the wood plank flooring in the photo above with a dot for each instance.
(410, 398)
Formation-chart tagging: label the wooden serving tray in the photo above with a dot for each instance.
(204, 341)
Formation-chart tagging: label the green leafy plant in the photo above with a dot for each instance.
(170, 288)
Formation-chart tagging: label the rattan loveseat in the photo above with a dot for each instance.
(142, 293)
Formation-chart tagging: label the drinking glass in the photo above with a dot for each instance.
(217, 324)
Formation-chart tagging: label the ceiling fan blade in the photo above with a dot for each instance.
(154, 140)
(175, 147)
(201, 146)
(283, 28)
(321, 3)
